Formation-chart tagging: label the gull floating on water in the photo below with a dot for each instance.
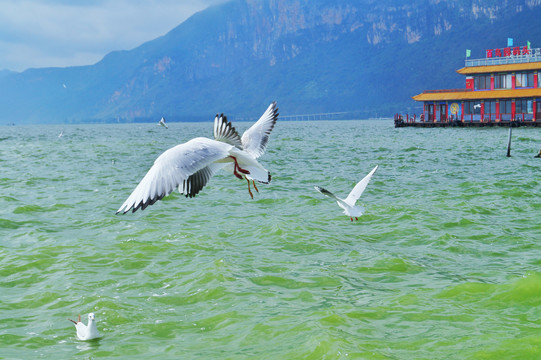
(162, 123)
(189, 166)
(348, 204)
(86, 332)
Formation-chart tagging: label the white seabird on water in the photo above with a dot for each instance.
(89, 331)
(348, 204)
(189, 166)
(162, 123)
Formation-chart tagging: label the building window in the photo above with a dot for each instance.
(505, 106)
(429, 108)
(520, 80)
(481, 82)
(503, 81)
(524, 106)
(524, 79)
(490, 110)
(524, 109)
(490, 107)
(472, 107)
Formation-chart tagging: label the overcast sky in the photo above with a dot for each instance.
(44, 33)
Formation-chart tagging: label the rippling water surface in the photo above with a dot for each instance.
(445, 263)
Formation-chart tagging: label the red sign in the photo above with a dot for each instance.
(508, 51)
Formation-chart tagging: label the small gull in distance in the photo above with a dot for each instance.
(348, 204)
(189, 166)
(89, 331)
(162, 123)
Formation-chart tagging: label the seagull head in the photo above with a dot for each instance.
(91, 316)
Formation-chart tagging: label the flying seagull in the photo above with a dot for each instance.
(86, 332)
(162, 123)
(253, 141)
(189, 166)
(348, 204)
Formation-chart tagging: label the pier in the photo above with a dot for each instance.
(401, 121)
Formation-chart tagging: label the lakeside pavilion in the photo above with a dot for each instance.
(504, 88)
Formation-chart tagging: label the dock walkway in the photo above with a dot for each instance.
(400, 122)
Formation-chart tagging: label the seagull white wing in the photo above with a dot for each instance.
(339, 201)
(225, 132)
(197, 181)
(82, 331)
(327, 193)
(255, 139)
(188, 166)
(357, 191)
(162, 123)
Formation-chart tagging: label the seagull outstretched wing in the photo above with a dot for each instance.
(357, 191)
(224, 131)
(327, 193)
(187, 166)
(255, 139)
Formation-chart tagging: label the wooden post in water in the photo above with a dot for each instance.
(509, 143)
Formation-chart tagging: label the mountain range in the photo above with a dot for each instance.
(366, 57)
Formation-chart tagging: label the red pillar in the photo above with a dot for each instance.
(513, 82)
(483, 111)
(534, 107)
(497, 111)
(491, 82)
(535, 80)
(513, 108)
(462, 111)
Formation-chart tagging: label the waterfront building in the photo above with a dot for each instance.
(501, 89)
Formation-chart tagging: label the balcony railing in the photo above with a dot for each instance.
(515, 59)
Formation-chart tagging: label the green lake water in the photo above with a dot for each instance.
(445, 263)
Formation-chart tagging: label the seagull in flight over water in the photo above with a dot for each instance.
(189, 166)
(86, 332)
(254, 140)
(162, 123)
(348, 204)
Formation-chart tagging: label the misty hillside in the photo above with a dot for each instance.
(311, 56)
